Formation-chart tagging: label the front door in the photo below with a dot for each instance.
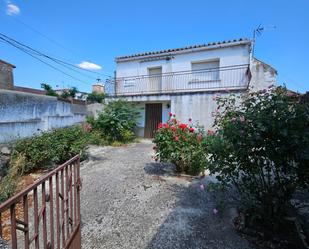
(153, 118)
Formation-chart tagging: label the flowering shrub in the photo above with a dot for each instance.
(261, 147)
(181, 144)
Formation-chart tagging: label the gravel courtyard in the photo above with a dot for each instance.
(129, 201)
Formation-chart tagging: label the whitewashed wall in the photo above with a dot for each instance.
(229, 56)
(24, 115)
(263, 75)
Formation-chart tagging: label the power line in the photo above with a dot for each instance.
(55, 68)
(52, 58)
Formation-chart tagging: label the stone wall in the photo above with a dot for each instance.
(24, 114)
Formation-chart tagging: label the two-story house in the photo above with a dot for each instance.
(185, 80)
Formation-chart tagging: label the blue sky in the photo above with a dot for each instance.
(98, 31)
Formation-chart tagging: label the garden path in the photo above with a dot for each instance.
(129, 201)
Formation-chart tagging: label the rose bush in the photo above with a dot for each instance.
(181, 144)
(261, 147)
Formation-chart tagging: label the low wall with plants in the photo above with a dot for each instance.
(24, 114)
(114, 126)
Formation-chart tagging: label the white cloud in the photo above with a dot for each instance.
(89, 65)
(12, 9)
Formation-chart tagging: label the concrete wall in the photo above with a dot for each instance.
(263, 75)
(95, 109)
(200, 107)
(24, 114)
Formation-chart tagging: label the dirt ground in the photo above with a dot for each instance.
(130, 201)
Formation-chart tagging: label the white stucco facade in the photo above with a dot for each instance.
(178, 92)
(227, 56)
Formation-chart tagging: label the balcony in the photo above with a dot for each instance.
(223, 78)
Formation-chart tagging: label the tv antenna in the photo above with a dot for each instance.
(258, 32)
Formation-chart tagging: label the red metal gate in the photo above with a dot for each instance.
(47, 213)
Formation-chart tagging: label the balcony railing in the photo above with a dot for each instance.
(233, 77)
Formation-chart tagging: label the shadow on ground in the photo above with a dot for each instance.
(159, 169)
(192, 222)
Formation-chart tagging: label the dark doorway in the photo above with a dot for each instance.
(153, 118)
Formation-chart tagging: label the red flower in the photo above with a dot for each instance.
(160, 125)
(191, 129)
(171, 114)
(183, 126)
(166, 126)
(176, 139)
(210, 132)
(173, 128)
(190, 119)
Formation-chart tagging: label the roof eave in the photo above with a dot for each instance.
(208, 47)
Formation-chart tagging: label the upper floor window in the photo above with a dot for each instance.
(155, 78)
(205, 70)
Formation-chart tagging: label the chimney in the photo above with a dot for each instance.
(6, 75)
(98, 88)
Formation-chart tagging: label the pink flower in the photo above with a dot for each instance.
(173, 128)
(160, 125)
(171, 114)
(191, 130)
(214, 98)
(176, 139)
(210, 132)
(202, 187)
(242, 119)
(199, 137)
(215, 211)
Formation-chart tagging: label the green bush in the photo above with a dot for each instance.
(7, 188)
(95, 97)
(50, 148)
(261, 147)
(182, 145)
(117, 122)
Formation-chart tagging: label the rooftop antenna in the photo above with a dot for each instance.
(258, 32)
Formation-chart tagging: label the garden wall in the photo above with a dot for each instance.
(24, 114)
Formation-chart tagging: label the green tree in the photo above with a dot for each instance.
(49, 90)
